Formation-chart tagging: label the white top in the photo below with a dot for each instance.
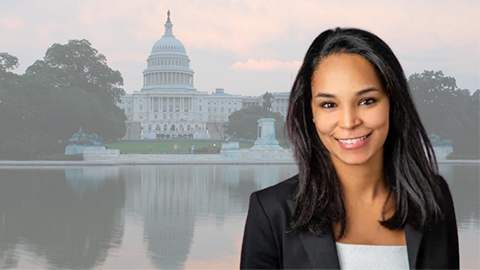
(353, 256)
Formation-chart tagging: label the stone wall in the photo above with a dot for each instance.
(105, 154)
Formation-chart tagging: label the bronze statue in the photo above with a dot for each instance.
(267, 101)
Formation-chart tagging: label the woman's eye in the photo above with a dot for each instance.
(327, 105)
(367, 101)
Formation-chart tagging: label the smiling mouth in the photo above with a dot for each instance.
(352, 141)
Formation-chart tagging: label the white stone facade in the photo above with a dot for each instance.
(169, 104)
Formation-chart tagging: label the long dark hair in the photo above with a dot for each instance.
(410, 166)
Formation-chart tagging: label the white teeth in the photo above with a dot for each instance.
(354, 140)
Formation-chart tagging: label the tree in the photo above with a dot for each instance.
(41, 109)
(78, 64)
(26, 102)
(7, 62)
(244, 123)
(446, 110)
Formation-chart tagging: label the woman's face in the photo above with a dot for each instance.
(350, 109)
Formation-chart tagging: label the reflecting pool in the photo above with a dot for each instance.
(162, 217)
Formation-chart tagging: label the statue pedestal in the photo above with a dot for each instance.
(234, 145)
(266, 135)
(78, 149)
(441, 152)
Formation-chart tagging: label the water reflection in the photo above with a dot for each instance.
(464, 183)
(43, 213)
(173, 199)
(165, 217)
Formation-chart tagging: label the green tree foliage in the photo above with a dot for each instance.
(7, 62)
(244, 123)
(78, 64)
(446, 110)
(41, 109)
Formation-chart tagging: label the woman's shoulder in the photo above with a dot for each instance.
(444, 187)
(278, 194)
(281, 190)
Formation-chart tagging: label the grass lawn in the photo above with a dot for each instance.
(164, 147)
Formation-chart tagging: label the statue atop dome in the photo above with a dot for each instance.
(168, 26)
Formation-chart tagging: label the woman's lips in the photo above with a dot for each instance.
(352, 144)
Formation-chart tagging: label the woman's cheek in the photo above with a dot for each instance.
(324, 124)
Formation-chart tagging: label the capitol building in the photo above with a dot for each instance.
(168, 105)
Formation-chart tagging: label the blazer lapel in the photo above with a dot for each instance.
(414, 238)
(322, 251)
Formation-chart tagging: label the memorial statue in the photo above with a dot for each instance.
(435, 140)
(80, 138)
(267, 101)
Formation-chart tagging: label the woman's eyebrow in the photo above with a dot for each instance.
(359, 93)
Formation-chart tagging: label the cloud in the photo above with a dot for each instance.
(423, 34)
(265, 65)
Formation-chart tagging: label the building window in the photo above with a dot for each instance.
(129, 110)
(141, 116)
(149, 127)
(157, 127)
(200, 108)
(229, 110)
(165, 127)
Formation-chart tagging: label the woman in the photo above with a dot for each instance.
(367, 194)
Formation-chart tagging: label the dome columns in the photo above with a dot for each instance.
(168, 78)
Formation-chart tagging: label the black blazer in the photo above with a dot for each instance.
(266, 244)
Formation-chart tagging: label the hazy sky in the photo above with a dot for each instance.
(247, 47)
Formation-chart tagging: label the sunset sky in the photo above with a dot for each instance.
(246, 47)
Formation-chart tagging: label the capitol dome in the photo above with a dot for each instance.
(168, 66)
(168, 42)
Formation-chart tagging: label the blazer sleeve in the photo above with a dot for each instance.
(452, 237)
(259, 248)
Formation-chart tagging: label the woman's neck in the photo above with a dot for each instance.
(364, 182)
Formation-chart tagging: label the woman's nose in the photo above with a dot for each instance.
(349, 118)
